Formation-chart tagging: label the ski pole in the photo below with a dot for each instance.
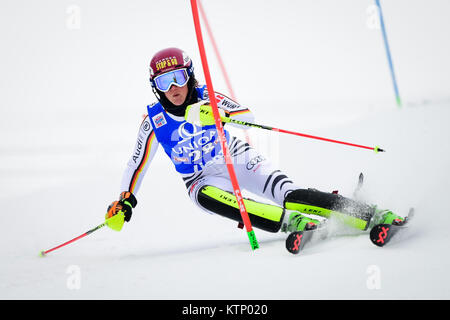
(44, 252)
(254, 125)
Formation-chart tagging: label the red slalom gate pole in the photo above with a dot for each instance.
(220, 131)
(44, 252)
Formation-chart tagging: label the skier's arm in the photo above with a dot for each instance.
(146, 145)
(200, 113)
(143, 153)
(233, 109)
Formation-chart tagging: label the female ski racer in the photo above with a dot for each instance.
(193, 148)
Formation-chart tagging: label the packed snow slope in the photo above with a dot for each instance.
(72, 99)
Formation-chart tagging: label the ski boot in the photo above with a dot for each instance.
(296, 221)
(386, 217)
(301, 230)
(385, 225)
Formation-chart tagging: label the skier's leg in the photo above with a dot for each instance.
(212, 191)
(257, 175)
(312, 201)
(351, 212)
(213, 194)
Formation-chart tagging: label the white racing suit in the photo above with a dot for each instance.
(196, 154)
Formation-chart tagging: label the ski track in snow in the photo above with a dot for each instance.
(68, 143)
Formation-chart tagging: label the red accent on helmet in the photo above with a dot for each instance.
(169, 59)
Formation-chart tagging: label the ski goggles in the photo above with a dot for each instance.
(177, 77)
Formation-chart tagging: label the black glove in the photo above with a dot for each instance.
(129, 201)
(126, 202)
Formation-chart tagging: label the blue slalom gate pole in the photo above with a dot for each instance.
(388, 53)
